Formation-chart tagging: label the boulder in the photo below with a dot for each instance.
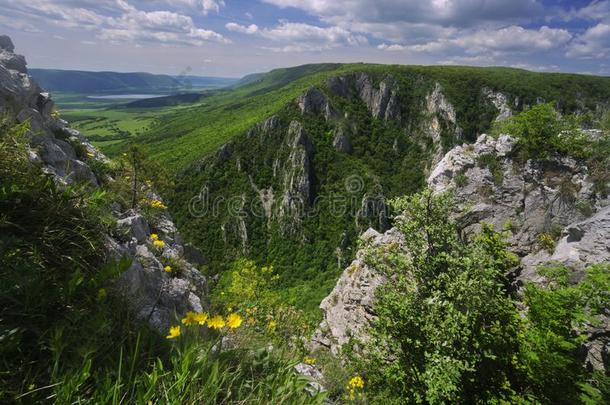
(6, 43)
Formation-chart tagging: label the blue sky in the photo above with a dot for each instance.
(233, 38)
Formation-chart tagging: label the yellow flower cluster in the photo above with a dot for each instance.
(174, 332)
(195, 318)
(355, 382)
(309, 360)
(216, 322)
(157, 204)
(158, 243)
(233, 321)
(355, 387)
(168, 269)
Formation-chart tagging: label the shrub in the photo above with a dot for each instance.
(447, 328)
(541, 131)
(547, 242)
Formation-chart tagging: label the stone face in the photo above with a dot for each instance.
(528, 198)
(153, 295)
(297, 173)
(341, 141)
(440, 111)
(313, 101)
(500, 101)
(349, 309)
(6, 43)
(382, 101)
(534, 197)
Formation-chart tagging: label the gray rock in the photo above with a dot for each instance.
(134, 226)
(349, 309)
(297, 183)
(382, 102)
(314, 375)
(6, 43)
(313, 101)
(500, 101)
(341, 140)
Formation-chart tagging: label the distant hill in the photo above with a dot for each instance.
(76, 81)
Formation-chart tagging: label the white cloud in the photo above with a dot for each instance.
(120, 20)
(512, 39)
(597, 10)
(301, 37)
(203, 6)
(445, 12)
(250, 29)
(594, 43)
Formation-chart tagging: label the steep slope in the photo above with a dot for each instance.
(296, 189)
(57, 150)
(536, 201)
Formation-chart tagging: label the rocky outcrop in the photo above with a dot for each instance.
(382, 101)
(155, 295)
(313, 101)
(500, 101)
(441, 120)
(349, 309)
(298, 174)
(530, 199)
(341, 140)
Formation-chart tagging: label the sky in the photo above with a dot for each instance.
(232, 38)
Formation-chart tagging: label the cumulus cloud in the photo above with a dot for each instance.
(205, 6)
(299, 37)
(445, 12)
(512, 39)
(121, 20)
(597, 10)
(594, 43)
(250, 29)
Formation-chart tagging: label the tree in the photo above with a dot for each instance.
(447, 328)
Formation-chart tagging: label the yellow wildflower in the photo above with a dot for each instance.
(168, 269)
(189, 319)
(234, 321)
(159, 244)
(355, 383)
(309, 360)
(154, 237)
(272, 325)
(157, 204)
(174, 332)
(201, 317)
(216, 322)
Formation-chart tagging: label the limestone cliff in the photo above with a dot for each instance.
(557, 197)
(63, 153)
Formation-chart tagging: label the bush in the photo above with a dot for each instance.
(541, 132)
(447, 328)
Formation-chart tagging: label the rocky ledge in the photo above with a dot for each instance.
(154, 295)
(490, 185)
